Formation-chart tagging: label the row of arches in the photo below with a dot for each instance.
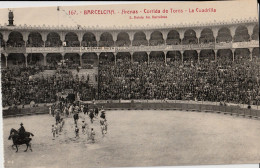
(35, 39)
(108, 58)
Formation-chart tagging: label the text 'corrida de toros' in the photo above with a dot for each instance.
(99, 12)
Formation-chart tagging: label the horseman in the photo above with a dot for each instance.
(21, 131)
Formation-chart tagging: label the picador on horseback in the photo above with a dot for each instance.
(21, 131)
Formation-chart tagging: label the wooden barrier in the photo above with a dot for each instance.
(199, 107)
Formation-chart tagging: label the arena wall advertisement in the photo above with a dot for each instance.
(147, 84)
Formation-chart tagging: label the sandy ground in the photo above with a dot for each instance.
(138, 138)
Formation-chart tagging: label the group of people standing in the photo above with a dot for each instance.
(77, 111)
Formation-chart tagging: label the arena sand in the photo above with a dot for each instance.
(138, 138)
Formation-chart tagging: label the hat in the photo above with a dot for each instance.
(21, 124)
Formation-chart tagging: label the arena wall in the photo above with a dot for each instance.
(196, 107)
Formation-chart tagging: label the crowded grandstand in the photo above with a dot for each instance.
(194, 69)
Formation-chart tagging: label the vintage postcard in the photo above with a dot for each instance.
(131, 85)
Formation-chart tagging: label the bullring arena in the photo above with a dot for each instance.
(140, 138)
(172, 95)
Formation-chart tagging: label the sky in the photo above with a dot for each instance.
(50, 16)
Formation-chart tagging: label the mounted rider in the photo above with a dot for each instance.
(21, 131)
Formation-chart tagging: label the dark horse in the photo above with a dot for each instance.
(17, 140)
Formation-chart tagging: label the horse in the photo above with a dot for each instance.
(26, 134)
(18, 141)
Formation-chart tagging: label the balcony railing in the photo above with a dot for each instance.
(162, 47)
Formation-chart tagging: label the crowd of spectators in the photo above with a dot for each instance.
(20, 87)
(223, 80)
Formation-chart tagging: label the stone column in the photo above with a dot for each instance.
(26, 55)
(148, 53)
(250, 29)
(131, 37)
(44, 59)
(114, 35)
(181, 32)
(25, 37)
(97, 34)
(44, 38)
(216, 54)
(233, 54)
(165, 57)
(62, 56)
(198, 34)
(80, 37)
(148, 36)
(98, 56)
(182, 52)
(251, 53)
(233, 31)
(215, 33)
(198, 51)
(132, 56)
(115, 56)
(165, 33)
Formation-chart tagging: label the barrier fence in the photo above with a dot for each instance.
(148, 105)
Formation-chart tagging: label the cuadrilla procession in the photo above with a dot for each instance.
(130, 96)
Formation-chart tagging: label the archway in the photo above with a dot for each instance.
(89, 59)
(123, 57)
(35, 59)
(173, 56)
(35, 40)
(190, 56)
(53, 40)
(140, 57)
(224, 35)
(173, 38)
(156, 39)
(242, 54)
(224, 56)
(207, 36)
(207, 55)
(123, 39)
(157, 56)
(140, 39)
(72, 60)
(89, 40)
(15, 39)
(14, 59)
(190, 37)
(106, 40)
(241, 34)
(52, 60)
(107, 58)
(72, 40)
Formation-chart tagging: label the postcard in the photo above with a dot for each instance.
(131, 85)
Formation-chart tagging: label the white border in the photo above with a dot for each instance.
(21, 4)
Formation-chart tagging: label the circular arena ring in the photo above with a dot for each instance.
(158, 136)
